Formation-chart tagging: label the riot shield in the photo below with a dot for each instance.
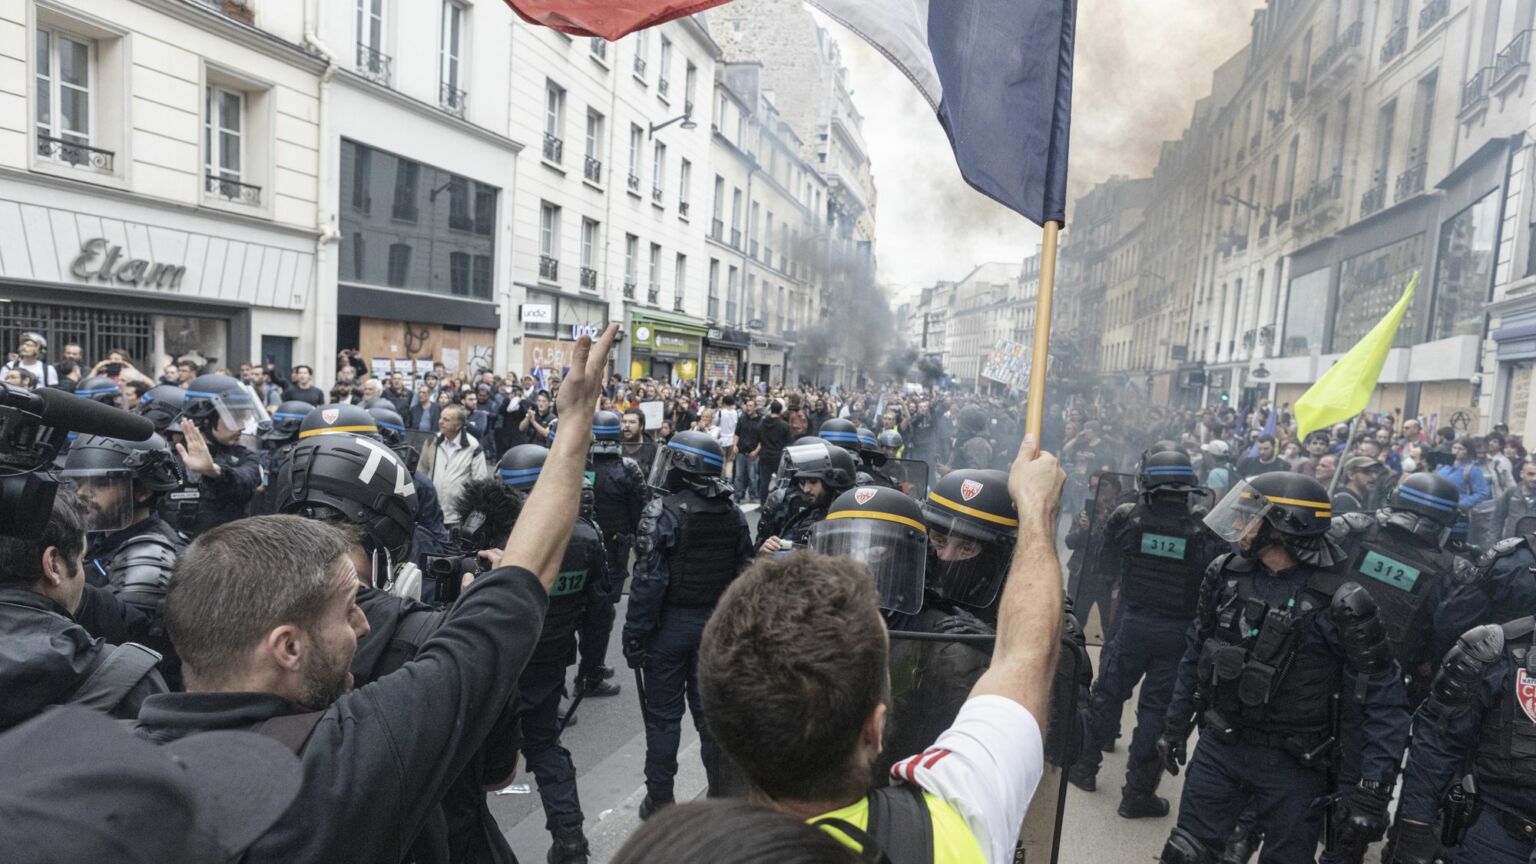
(932, 675)
(418, 439)
(1093, 570)
(910, 476)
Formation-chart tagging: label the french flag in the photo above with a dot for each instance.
(999, 75)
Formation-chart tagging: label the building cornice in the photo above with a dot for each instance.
(208, 18)
(426, 111)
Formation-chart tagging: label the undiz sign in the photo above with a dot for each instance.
(100, 261)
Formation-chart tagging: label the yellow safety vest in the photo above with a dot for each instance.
(953, 842)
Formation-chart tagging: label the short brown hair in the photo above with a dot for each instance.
(21, 558)
(237, 582)
(791, 666)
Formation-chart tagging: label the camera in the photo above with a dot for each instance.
(444, 574)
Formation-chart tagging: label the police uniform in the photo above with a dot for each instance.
(692, 543)
(1502, 583)
(227, 497)
(1163, 549)
(789, 513)
(1264, 664)
(620, 494)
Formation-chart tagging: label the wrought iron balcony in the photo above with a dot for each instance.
(629, 289)
(1475, 91)
(1282, 213)
(656, 194)
(663, 86)
(452, 99)
(1347, 40)
(1432, 13)
(1411, 182)
(593, 170)
(677, 304)
(1396, 42)
(639, 66)
(717, 229)
(232, 190)
(373, 63)
(589, 278)
(653, 295)
(634, 183)
(554, 148)
(549, 268)
(1515, 56)
(74, 153)
(1374, 199)
(682, 209)
(599, 48)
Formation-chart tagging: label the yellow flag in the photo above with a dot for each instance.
(1345, 390)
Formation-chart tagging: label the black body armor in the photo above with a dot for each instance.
(703, 561)
(1163, 551)
(1399, 572)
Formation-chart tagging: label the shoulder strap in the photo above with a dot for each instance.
(291, 730)
(115, 677)
(899, 819)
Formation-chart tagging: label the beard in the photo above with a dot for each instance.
(324, 679)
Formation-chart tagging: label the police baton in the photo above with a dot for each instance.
(645, 708)
(570, 714)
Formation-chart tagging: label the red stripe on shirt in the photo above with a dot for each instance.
(934, 759)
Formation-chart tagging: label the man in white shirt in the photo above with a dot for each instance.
(452, 459)
(793, 671)
(29, 359)
(725, 423)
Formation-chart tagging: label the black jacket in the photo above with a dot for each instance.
(47, 656)
(381, 757)
(227, 497)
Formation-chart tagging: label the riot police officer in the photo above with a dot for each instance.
(1501, 586)
(971, 448)
(1279, 632)
(392, 432)
(872, 458)
(620, 494)
(219, 413)
(693, 542)
(840, 432)
(543, 680)
(1480, 711)
(101, 389)
(972, 528)
(162, 405)
(817, 473)
(1162, 548)
(283, 430)
(431, 534)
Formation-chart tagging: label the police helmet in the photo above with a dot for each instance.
(220, 398)
(108, 474)
(1289, 509)
(520, 466)
(1428, 495)
(338, 419)
(840, 432)
(972, 420)
(607, 432)
(1166, 470)
(98, 388)
(1301, 504)
(808, 439)
(890, 439)
(357, 479)
(972, 527)
(869, 447)
(391, 424)
(883, 530)
(694, 454)
(286, 421)
(162, 405)
(1161, 447)
(833, 466)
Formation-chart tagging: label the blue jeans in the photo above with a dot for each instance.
(1144, 649)
(671, 681)
(1222, 779)
(744, 477)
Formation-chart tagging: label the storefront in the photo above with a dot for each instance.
(552, 322)
(766, 359)
(1515, 346)
(156, 283)
(723, 348)
(665, 347)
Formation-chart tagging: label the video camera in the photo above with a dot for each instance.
(33, 428)
(443, 576)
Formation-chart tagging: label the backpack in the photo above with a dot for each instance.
(115, 677)
(898, 820)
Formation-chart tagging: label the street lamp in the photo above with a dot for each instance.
(1229, 199)
(686, 117)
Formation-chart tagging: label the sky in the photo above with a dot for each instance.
(1139, 68)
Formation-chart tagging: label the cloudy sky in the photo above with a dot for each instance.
(1140, 66)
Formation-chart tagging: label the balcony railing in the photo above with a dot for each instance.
(629, 289)
(663, 86)
(640, 66)
(717, 229)
(593, 170)
(1321, 192)
(1264, 230)
(1396, 42)
(1432, 13)
(589, 278)
(634, 183)
(1254, 142)
(1350, 38)
(656, 194)
(452, 99)
(74, 153)
(232, 190)
(554, 148)
(682, 209)
(653, 295)
(1282, 213)
(1374, 199)
(736, 237)
(1475, 91)
(1410, 182)
(1516, 55)
(549, 268)
(373, 63)
(599, 48)
(677, 304)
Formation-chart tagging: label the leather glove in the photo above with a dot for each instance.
(1360, 818)
(1413, 843)
(634, 652)
(1173, 747)
(963, 623)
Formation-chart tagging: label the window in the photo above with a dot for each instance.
(407, 179)
(361, 165)
(664, 68)
(636, 141)
(371, 59)
(719, 224)
(1370, 284)
(684, 180)
(736, 218)
(690, 86)
(658, 170)
(714, 289)
(594, 165)
(752, 229)
(588, 252)
(549, 231)
(450, 56)
(458, 204)
(778, 313)
(1386, 120)
(65, 108)
(554, 121)
(1464, 272)
(1306, 314)
(485, 209)
(631, 265)
(653, 274)
(732, 279)
(1424, 123)
(679, 281)
(750, 301)
(399, 264)
(223, 140)
(642, 37)
(481, 277)
(458, 273)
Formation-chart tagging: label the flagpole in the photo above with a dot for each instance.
(1034, 410)
(1349, 444)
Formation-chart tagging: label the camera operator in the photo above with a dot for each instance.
(264, 613)
(49, 659)
(215, 418)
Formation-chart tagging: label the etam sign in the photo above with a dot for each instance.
(100, 261)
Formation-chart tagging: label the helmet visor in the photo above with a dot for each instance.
(108, 498)
(889, 546)
(811, 458)
(1239, 513)
(683, 458)
(966, 568)
(238, 409)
